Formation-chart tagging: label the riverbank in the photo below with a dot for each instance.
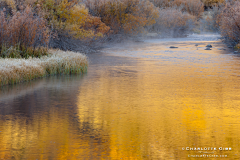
(58, 62)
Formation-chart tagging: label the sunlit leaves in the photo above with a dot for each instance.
(212, 2)
(72, 18)
(124, 16)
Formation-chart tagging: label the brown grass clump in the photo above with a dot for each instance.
(22, 52)
(18, 70)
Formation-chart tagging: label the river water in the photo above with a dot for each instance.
(138, 101)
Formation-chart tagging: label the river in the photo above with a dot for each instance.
(138, 100)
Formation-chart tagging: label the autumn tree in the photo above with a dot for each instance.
(173, 22)
(212, 3)
(229, 23)
(193, 7)
(71, 17)
(124, 16)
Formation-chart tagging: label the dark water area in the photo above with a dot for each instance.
(137, 101)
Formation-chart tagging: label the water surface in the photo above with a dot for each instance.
(137, 101)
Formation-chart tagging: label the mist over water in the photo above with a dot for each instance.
(138, 101)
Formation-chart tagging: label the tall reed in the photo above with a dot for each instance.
(58, 62)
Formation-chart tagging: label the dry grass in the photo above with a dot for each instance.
(58, 62)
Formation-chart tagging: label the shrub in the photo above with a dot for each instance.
(70, 17)
(7, 6)
(229, 23)
(162, 3)
(22, 33)
(193, 7)
(173, 22)
(212, 3)
(124, 16)
(209, 19)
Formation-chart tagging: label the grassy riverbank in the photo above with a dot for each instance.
(57, 62)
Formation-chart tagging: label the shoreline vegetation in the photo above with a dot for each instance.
(14, 70)
(28, 28)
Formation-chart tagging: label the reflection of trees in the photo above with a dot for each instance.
(55, 136)
(43, 124)
(152, 116)
(60, 83)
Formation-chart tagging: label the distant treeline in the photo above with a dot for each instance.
(33, 23)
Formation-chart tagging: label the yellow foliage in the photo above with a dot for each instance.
(73, 18)
(237, 47)
(11, 3)
(209, 3)
(128, 16)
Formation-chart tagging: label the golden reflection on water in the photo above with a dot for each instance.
(152, 111)
(135, 109)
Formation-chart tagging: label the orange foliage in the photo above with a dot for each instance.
(128, 16)
(73, 18)
(211, 3)
(23, 29)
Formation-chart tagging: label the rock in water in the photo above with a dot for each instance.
(209, 46)
(196, 44)
(173, 47)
